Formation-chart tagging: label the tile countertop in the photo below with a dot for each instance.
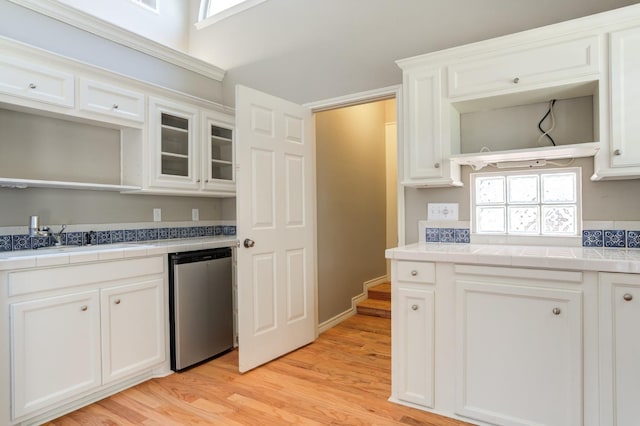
(550, 257)
(70, 255)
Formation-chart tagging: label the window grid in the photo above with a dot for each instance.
(147, 4)
(527, 203)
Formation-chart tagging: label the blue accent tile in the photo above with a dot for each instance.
(103, 237)
(446, 235)
(90, 238)
(174, 232)
(152, 234)
(210, 231)
(461, 235)
(202, 231)
(184, 232)
(5, 243)
(592, 238)
(432, 235)
(193, 231)
(218, 230)
(130, 235)
(39, 242)
(633, 239)
(117, 236)
(233, 230)
(142, 234)
(21, 242)
(163, 233)
(614, 238)
(226, 230)
(75, 238)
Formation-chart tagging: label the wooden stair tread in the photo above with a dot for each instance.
(375, 308)
(380, 292)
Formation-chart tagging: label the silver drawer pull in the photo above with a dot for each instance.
(628, 297)
(617, 152)
(516, 80)
(556, 311)
(437, 165)
(32, 86)
(84, 308)
(117, 301)
(414, 307)
(116, 106)
(414, 273)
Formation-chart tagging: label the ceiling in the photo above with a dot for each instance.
(311, 50)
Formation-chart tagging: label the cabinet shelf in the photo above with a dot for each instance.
(480, 160)
(172, 154)
(35, 183)
(221, 162)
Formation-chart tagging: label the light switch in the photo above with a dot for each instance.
(157, 215)
(442, 211)
(195, 214)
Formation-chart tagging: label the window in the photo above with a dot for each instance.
(216, 10)
(545, 202)
(147, 4)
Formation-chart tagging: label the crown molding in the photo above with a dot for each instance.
(104, 29)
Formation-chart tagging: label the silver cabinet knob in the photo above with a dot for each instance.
(84, 308)
(617, 152)
(414, 273)
(414, 307)
(516, 80)
(32, 86)
(115, 106)
(198, 180)
(437, 165)
(628, 297)
(248, 243)
(117, 301)
(206, 181)
(556, 311)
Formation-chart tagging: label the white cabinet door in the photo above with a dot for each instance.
(37, 82)
(55, 350)
(110, 100)
(174, 147)
(524, 67)
(218, 152)
(132, 328)
(413, 343)
(620, 340)
(427, 144)
(519, 354)
(625, 100)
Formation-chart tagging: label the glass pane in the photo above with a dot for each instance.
(524, 220)
(490, 219)
(522, 189)
(221, 150)
(175, 166)
(173, 121)
(175, 141)
(221, 171)
(559, 220)
(489, 190)
(559, 188)
(221, 132)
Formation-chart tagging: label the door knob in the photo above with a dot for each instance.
(248, 243)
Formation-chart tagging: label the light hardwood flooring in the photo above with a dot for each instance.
(343, 378)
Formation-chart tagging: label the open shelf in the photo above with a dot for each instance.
(35, 183)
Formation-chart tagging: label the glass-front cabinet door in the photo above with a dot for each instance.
(218, 152)
(174, 143)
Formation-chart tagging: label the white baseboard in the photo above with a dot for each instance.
(332, 322)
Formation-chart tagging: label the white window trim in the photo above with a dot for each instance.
(143, 4)
(506, 238)
(205, 20)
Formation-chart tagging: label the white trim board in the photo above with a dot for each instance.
(374, 95)
(104, 29)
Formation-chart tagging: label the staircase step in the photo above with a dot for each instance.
(380, 292)
(375, 308)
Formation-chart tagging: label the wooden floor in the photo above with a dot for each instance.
(343, 378)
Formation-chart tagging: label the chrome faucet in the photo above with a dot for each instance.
(35, 230)
(56, 238)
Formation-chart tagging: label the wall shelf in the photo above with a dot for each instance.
(479, 160)
(35, 183)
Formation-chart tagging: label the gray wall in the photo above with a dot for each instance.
(609, 200)
(38, 30)
(350, 159)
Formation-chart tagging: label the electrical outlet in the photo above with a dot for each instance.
(442, 211)
(195, 214)
(157, 215)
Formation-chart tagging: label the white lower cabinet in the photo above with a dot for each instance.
(55, 350)
(620, 349)
(519, 359)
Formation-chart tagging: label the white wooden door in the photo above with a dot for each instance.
(276, 210)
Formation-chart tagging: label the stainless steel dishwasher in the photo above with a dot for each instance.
(200, 305)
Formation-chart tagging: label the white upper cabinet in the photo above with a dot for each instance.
(110, 100)
(520, 68)
(218, 152)
(34, 81)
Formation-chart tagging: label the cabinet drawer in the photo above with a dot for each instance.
(33, 81)
(526, 67)
(111, 100)
(418, 272)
